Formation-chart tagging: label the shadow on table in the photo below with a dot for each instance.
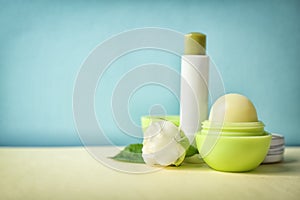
(289, 166)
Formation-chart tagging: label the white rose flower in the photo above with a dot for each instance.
(164, 144)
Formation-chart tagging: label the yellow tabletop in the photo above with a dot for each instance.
(72, 173)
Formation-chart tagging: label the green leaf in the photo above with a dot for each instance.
(191, 151)
(132, 153)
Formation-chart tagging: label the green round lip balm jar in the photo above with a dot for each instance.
(234, 153)
(233, 140)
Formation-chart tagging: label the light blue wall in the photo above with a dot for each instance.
(255, 44)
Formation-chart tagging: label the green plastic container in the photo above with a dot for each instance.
(147, 120)
(233, 153)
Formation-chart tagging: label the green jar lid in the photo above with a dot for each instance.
(194, 43)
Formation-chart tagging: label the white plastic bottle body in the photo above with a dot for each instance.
(193, 93)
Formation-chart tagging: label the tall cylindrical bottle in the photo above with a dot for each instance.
(194, 85)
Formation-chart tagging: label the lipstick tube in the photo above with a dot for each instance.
(194, 85)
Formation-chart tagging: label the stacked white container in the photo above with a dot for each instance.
(276, 151)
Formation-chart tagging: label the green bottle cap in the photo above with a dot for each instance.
(194, 43)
